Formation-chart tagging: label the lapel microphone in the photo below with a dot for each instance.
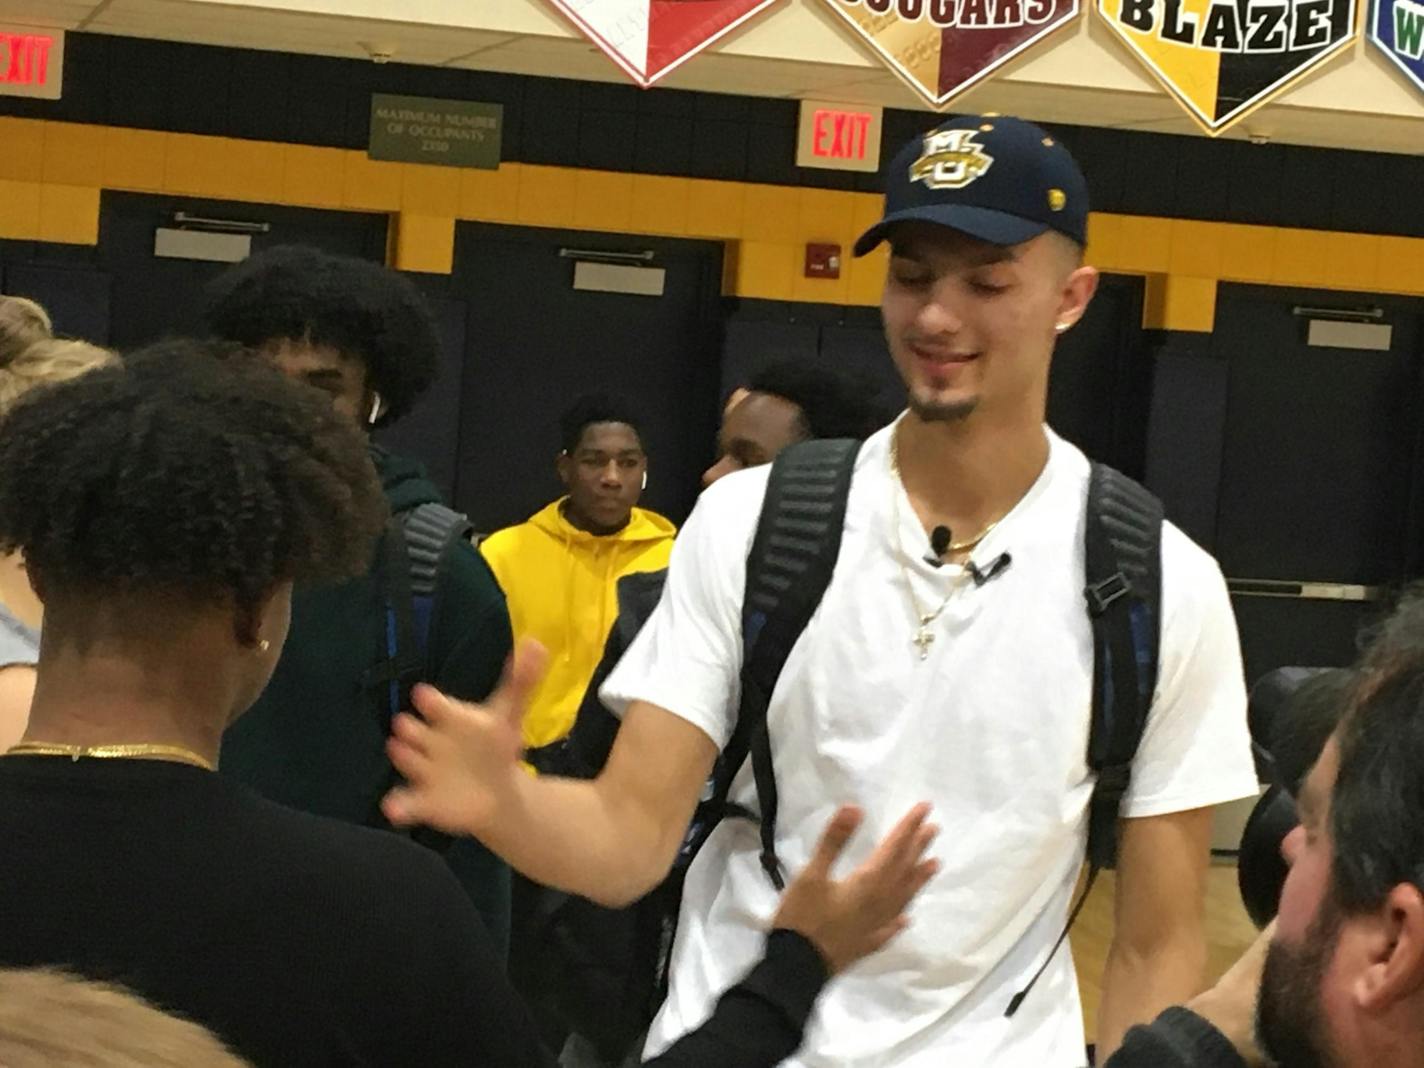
(997, 567)
(940, 539)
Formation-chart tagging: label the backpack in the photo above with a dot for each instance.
(414, 550)
(606, 969)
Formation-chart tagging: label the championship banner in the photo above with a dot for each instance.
(1397, 30)
(942, 47)
(1222, 59)
(652, 38)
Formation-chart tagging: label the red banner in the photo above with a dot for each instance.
(942, 47)
(652, 38)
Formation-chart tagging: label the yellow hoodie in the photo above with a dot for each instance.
(561, 584)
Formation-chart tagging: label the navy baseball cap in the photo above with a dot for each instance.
(996, 178)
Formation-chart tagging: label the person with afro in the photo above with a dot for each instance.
(316, 738)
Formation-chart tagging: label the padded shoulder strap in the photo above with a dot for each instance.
(414, 544)
(1123, 566)
(429, 530)
(793, 555)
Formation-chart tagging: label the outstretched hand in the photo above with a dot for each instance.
(461, 760)
(851, 918)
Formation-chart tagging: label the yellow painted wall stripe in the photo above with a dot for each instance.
(51, 174)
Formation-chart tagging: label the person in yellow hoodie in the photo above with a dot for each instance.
(560, 569)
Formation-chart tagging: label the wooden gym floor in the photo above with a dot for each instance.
(1229, 932)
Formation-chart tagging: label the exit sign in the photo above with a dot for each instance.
(31, 62)
(838, 137)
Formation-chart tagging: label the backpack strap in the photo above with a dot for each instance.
(414, 554)
(415, 549)
(387, 678)
(1123, 568)
(792, 558)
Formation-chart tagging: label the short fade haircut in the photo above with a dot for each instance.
(591, 409)
(359, 308)
(1377, 804)
(833, 403)
(184, 474)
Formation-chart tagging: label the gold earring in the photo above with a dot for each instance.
(263, 645)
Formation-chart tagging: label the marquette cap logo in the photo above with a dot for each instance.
(952, 159)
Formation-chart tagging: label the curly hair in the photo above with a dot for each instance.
(22, 323)
(594, 408)
(833, 403)
(47, 361)
(179, 473)
(359, 308)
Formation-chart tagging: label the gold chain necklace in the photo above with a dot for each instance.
(137, 751)
(924, 637)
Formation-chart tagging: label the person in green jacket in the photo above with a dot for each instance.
(315, 739)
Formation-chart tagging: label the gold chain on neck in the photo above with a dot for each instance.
(137, 751)
(924, 637)
(968, 544)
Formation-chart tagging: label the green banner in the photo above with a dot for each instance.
(417, 129)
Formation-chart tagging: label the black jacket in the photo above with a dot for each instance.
(1179, 1038)
(583, 753)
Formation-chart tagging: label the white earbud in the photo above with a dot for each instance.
(1061, 327)
(375, 407)
(645, 480)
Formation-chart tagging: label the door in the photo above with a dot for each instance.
(153, 297)
(534, 344)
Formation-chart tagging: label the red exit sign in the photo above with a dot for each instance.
(31, 62)
(838, 137)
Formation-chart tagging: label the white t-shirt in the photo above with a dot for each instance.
(992, 728)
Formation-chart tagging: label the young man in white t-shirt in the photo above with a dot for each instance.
(912, 682)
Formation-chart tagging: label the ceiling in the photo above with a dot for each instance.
(1327, 108)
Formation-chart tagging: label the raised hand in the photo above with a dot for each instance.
(853, 917)
(461, 760)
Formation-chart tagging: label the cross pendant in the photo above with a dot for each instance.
(924, 639)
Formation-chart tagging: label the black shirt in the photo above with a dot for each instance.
(298, 940)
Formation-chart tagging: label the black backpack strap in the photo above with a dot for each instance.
(414, 551)
(430, 530)
(388, 681)
(413, 554)
(1122, 545)
(792, 557)
(1123, 567)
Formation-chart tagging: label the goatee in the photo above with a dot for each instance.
(933, 411)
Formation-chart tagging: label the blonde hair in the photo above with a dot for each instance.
(52, 1020)
(22, 323)
(45, 362)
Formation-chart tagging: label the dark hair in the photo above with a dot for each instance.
(179, 473)
(359, 308)
(594, 408)
(833, 403)
(1377, 804)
